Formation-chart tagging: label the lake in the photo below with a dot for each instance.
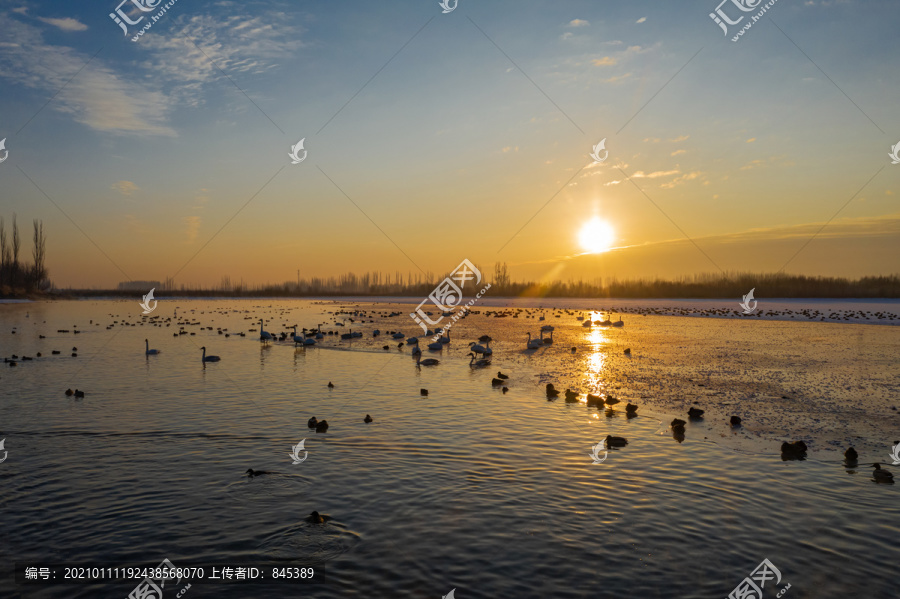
(469, 488)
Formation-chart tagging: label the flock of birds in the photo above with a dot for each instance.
(480, 354)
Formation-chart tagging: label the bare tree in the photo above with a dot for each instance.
(39, 252)
(4, 252)
(16, 243)
(501, 275)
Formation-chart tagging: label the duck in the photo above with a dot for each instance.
(79, 394)
(574, 349)
(695, 413)
(794, 450)
(611, 401)
(496, 382)
(500, 375)
(423, 392)
(317, 518)
(428, 362)
(312, 422)
(571, 395)
(850, 455)
(251, 472)
(551, 392)
(505, 389)
(209, 358)
(367, 419)
(678, 426)
(630, 408)
(594, 400)
(627, 351)
(322, 426)
(616, 441)
(330, 385)
(55, 352)
(882, 475)
(735, 421)
(148, 351)
(69, 392)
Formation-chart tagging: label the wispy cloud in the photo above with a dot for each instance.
(97, 97)
(604, 62)
(125, 187)
(654, 175)
(682, 179)
(641, 20)
(578, 23)
(192, 227)
(66, 24)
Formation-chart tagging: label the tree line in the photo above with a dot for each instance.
(17, 276)
(699, 286)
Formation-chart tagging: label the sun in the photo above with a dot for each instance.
(596, 236)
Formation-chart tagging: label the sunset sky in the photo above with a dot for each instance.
(460, 129)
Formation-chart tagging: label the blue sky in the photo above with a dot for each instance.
(472, 122)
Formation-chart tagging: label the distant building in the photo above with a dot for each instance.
(139, 285)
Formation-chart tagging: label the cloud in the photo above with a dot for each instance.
(751, 140)
(641, 20)
(567, 35)
(125, 187)
(66, 24)
(677, 152)
(192, 227)
(616, 78)
(612, 183)
(654, 175)
(753, 164)
(679, 180)
(680, 138)
(174, 72)
(578, 23)
(21, 10)
(97, 97)
(606, 61)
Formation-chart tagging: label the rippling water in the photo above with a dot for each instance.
(492, 494)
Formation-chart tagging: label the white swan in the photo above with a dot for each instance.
(297, 338)
(148, 351)
(436, 346)
(476, 348)
(534, 343)
(447, 338)
(479, 363)
(264, 335)
(209, 358)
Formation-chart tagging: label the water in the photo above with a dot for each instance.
(492, 494)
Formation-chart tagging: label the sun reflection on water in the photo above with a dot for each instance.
(595, 366)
